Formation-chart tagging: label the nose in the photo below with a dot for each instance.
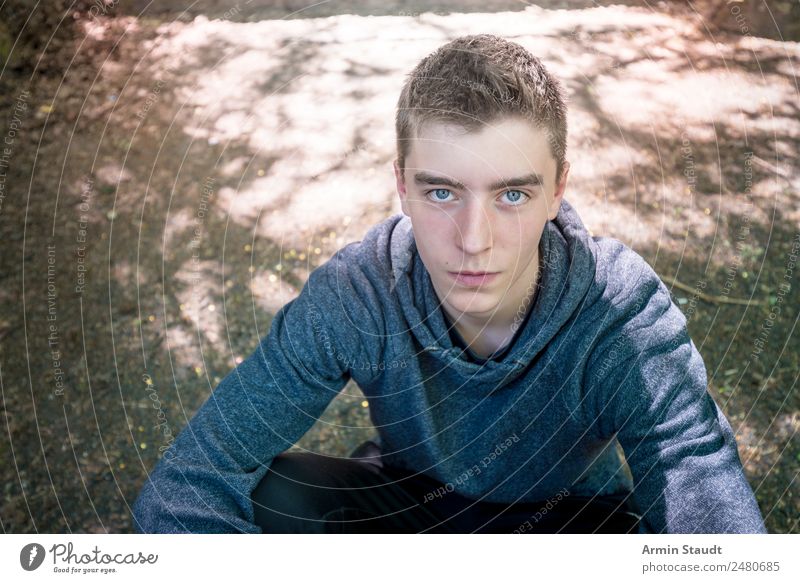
(476, 228)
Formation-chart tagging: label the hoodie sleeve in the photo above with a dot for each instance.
(204, 481)
(688, 477)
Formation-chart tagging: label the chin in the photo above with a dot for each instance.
(471, 303)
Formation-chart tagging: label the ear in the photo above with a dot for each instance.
(401, 187)
(558, 194)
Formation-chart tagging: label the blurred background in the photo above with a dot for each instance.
(171, 172)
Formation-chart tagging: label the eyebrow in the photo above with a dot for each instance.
(532, 179)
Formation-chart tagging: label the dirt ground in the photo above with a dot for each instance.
(174, 185)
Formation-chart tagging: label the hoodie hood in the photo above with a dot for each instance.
(567, 275)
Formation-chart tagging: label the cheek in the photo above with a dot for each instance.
(429, 239)
(519, 242)
(435, 224)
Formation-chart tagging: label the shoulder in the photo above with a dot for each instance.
(351, 287)
(638, 313)
(642, 353)
(624, 275)
(372, 252)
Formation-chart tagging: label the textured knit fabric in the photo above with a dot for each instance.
(603, 359)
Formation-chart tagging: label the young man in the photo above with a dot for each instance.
(504, 352)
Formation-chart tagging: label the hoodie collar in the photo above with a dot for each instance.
(567, 274)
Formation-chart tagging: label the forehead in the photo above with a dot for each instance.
(504, 148)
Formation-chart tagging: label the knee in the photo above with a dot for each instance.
(292, 495)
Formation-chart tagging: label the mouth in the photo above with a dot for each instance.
(473, 278)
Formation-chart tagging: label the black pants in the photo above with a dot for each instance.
(310, 493)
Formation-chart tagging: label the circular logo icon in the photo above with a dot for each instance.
(31, 556)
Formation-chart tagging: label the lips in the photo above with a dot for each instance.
(473, 278)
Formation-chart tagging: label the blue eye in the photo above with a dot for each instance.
(516, 197)
(519, 199)
(439, 190)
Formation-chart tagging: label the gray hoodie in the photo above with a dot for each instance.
(601, 360)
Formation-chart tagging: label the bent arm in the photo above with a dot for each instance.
(688, 477)
(265, 405)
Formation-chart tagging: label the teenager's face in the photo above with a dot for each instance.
(470, 213)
